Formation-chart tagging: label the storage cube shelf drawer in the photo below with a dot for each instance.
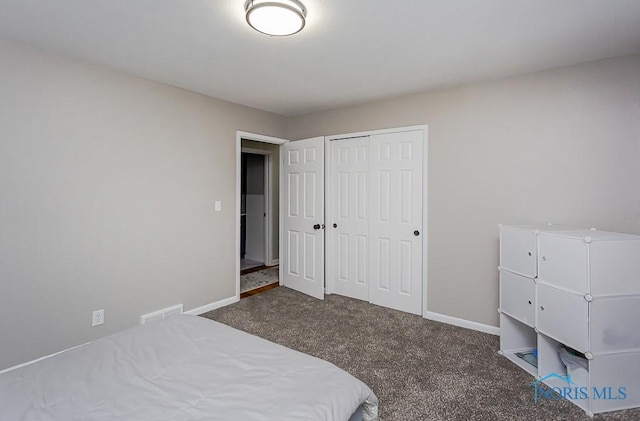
(595, 262)
(517, 297)
(518, 250)
(614, 324)
(563, 262)
(602, 325)
(562, 316)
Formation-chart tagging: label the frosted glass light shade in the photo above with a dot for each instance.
(276, 18)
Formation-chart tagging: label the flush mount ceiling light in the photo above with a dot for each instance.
(276, 17)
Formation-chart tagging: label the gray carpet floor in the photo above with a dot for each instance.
(419, 369)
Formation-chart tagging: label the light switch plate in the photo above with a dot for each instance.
(218, 205)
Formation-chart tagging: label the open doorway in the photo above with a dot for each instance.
(254, 199)
(259, 216)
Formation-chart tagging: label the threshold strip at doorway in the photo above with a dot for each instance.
(259, 290)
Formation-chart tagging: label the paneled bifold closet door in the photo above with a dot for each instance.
(396, 221)
(376, 190)
(350, 189)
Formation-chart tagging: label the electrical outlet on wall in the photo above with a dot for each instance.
(98, 318)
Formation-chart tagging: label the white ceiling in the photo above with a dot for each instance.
(351, 51)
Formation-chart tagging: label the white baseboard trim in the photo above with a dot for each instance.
(212, 306)
(468, 324)
(274, 262)
(6, 370)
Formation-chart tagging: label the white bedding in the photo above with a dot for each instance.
(182, 368)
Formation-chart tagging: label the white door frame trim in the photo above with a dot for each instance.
(425, 190)
(268, 202)
(257, 138)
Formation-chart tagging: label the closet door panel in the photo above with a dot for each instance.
(350, 209)
(395, 229)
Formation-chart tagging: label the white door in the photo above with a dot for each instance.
(302, 187)
(376, 219)
(395, 230)
(350, 222)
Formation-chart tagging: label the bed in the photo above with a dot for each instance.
(183, 368)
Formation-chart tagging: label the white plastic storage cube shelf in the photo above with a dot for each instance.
(519, 247)
(586, 295)
(593, 262)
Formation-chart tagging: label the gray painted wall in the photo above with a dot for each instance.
(557, 146)
(107, 184)
(107, 190)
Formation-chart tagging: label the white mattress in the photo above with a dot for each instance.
(182, 368)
